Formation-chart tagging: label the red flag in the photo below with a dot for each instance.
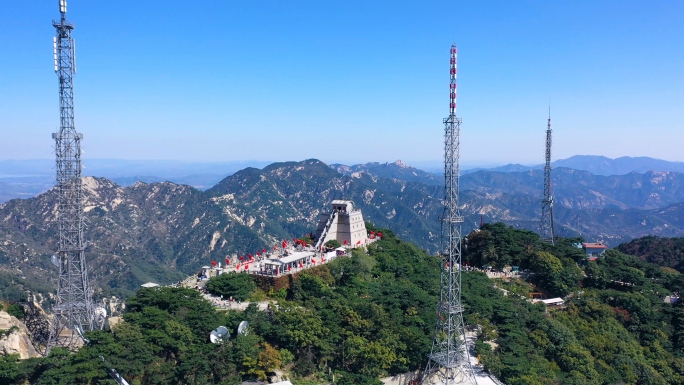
(289, 267)
(258, 254)
(358, 242)
(237, 267)
(294, 239)
(213, 263)
(250, 256)
(300, 264)
(263, 251)
(227, 261)
(275, 248)
(242, 257)
(372, 232)
(345, 241)
(284, 244)
(313, 261)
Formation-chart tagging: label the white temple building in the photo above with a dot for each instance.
(343, 223)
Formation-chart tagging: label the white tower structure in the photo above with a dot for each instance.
(343, 223)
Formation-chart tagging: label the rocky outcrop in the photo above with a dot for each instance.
(15, 337)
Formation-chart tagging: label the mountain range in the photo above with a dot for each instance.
(28, 178)
(598, 165)
(160, 231)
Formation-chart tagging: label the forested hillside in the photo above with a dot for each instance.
(661, 251)
(373, 315)
(615, 326)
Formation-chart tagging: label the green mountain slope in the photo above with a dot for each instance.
(667, 252)
(372, 315)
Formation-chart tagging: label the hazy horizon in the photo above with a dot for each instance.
(104, 164)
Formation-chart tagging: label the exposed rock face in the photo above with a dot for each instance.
(160, 232)
(17, 340)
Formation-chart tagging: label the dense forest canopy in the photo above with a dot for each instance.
(661, 251)
(373, 315)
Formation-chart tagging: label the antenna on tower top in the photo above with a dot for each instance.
(62, 8)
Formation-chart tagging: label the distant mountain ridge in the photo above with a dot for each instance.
(598, 165)
(601, 165)
(28, 178)
(151, 232)
(396, 170)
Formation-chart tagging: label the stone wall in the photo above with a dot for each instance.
(266, 283)
(409, 378)
(17, 341)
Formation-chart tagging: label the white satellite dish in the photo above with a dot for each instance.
(242, 328)
(55, 260)
(100, 315)
(219, 335)
(100, 312)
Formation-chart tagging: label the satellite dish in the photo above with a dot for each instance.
(219, 335)
(100, 312)
(55, 260)
(100, 316)
(242, 328)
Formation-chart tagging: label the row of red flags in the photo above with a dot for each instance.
(284, 246)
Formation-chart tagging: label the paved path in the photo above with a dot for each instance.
(481, 375)
(226, 304)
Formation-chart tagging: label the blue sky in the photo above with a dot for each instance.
(348, 81)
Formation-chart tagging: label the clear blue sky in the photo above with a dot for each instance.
(350, 81)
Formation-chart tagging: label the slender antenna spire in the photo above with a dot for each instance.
(449, 361)
(546, 231)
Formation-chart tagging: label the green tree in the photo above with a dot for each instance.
(16, 310)
(238, 285)
(9, 370)
(332, 244)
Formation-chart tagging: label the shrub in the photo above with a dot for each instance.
(238, 285)
(333, 244)
(16, 310)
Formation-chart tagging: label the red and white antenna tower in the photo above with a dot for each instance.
(452, 85)
(449, 361)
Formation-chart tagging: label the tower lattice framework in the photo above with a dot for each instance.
(546, 231)
(449, 360)
(74, 307)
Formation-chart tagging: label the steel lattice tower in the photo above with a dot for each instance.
(449, 360)
(546, 224)
(74, 307)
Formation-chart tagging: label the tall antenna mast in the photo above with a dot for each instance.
(449, 360)
(546, 224)
(74, 307)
